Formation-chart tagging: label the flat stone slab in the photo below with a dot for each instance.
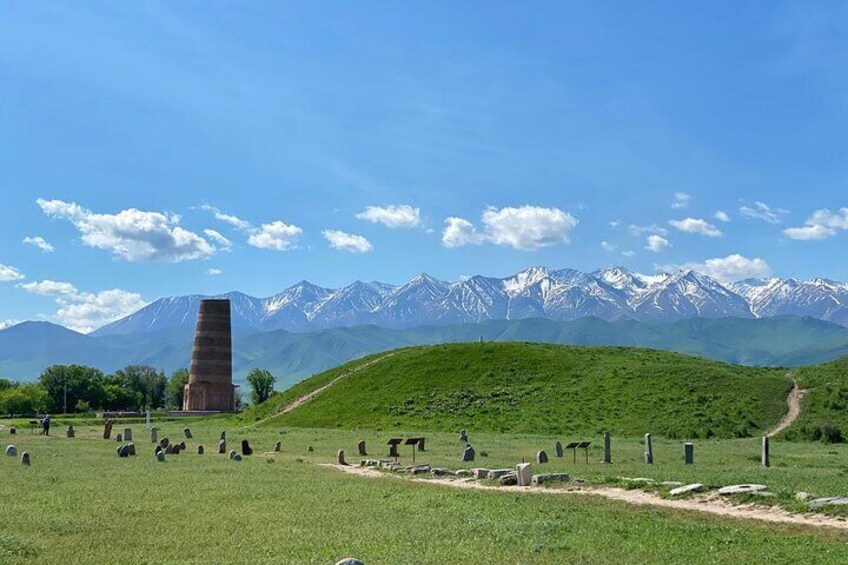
(479, 473)
(671, 484)
(829, 501)
(463, 473)
(495, 474)
(686, 489)
(637, 479)
(442, 472)
(550, 478)
(741, 489)
(419, 469)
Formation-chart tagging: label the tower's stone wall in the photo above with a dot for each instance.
(210, 383)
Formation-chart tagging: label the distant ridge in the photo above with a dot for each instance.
(538, 292)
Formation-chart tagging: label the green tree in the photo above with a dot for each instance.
(145, 385)
(176, 386)
(261, 384)
(83, 383)
(24, 399)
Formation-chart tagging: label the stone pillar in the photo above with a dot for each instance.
(361, 447)
(277, 447)
(222, 446)
(187, 433)
(541, 457)
(340, 458)
(607, 448)
(200, 450)
(107, 429)
(689, 453)
(210, 383)
(25, 459)
(765, 454)
(421, 444)
(71, 433)
(558, 449)
(649, 450)
(127, 434)
(524, 471)
(154, 435)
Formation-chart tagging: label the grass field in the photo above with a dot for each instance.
(80, 503)
(545, 389)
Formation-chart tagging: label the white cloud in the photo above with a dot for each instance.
(639, 231)
(277, 235)
(696, 225)
(9, 273)
(394, 216)
(628, 253)
(526, 228)
(213, 272)
(681, 200)
(821, 225)
(219, 238)
(132, 235)
(607, 246)
(459, 232)
(39, 242)
(344, 241)
(727, 269)
(8, 323)
(656, 243)
(234, 221)
(762, 211)
(86, 311)
(721, 216)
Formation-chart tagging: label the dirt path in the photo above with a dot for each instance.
(298, 402)
(709, 504)
(793, 401)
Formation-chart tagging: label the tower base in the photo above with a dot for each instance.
(206, 397)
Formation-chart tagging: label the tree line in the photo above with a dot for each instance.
(81, 389)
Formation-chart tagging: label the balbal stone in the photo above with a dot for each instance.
(169, 449)
(524, 474)
(158, 450)
(232, 453)
(124, 451)
(223, 436)
(222, 446)
(131, 448)
(160, 456)
(70, 433)
(107, 429)
(541, 457)
(25, 459)
(558, 449)
(245, 448)
(154, 435)
(361, 447)
(236, 457)
(463, 435)
(310, 449)
(119, 438)
(13, 430)
(340, 458)
(468, 453)
(200, 450)
(421, 444)
(128, 434)
(12, 451)
(350, 561)
(187, 433)
(182, 446)
(277, 447)
(164, 443)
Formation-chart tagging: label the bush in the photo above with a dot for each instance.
(24, 399)
(830, 433)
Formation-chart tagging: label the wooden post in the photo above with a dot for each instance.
(649, 450)
(607, 449)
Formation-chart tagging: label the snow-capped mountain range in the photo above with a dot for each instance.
(556, 294)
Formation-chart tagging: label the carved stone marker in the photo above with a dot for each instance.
(765, 455)
(107, 429)
(607, 448)
(123, 450)
(13, 430)
(524, 472)
(468, 453)
(119, 438)
(541, 457)
(223, 435)
(361, 447)
(236, 457)
(187, 433)
(233, 453)
(164, 443)
(127, 434)
(277, 447)
(157, 450)
(686, 489)
(689, 453)
(550, 478)
(71, 433)
(154, 435)
(649, 450)
(25, 460)
(245, 448)
(463, 435)
(421, 444)
(160, 456)
(310, 449)
(182, 446)
(558, 449)
(200, 450)
(12, 451)
(169, 449)
(222, 446)
(131, 448)
(340, 458)
(350, 561)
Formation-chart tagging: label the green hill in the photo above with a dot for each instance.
(539, 388)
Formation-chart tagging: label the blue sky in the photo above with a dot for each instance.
(376, 140)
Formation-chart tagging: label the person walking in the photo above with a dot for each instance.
(45, 425)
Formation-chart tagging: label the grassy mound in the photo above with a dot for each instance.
(824, 410)
(540, 389)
